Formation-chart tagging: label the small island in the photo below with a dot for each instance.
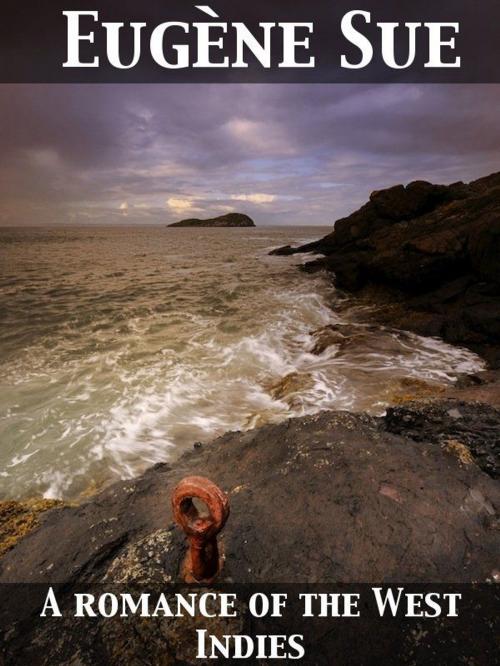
(228, 220)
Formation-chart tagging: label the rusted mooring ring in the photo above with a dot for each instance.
(202, 563)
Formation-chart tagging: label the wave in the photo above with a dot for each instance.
(172, 360)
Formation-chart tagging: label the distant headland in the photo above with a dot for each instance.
(229, 220)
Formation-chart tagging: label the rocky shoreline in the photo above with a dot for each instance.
(328, 499)
(337, 497)
(407, 497)
(422, 253)
(427, 255)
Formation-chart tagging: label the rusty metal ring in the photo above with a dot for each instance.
(187, 516)
(202, 562)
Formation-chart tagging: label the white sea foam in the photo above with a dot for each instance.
(137, 371)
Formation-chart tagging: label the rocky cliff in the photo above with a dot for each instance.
(429, 255)
(229, 220)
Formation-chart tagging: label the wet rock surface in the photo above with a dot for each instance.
(327, 499)
(483, 387)
(433, 254)
(334, 497)
(451, 424)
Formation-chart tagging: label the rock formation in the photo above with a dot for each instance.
(376, 487)
(429, 255)
(229, 220)
(326, 499)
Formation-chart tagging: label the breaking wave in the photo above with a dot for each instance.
(123, 349)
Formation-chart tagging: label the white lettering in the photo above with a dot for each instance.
(436, 43)
(50, 605)
(74, 39)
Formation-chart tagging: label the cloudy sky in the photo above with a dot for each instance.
(284, 154)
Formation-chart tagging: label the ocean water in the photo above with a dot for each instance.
(120, 347)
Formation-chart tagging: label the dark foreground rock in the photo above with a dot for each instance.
(327, 499)
(229, 220)
(472, 430)
(429, 255)
(342, 497)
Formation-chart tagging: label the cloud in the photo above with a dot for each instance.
(301, 154)
(180, 205)
(254, 198)
(260, 137)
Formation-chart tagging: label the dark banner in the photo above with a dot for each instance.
(174, 41)
(310, 624)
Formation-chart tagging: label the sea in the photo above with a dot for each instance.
(121, 347)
